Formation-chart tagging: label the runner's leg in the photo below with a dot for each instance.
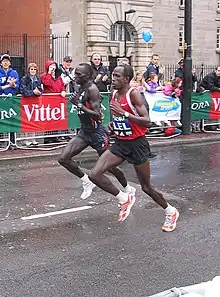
(143, 173)
(106, 162)
(73, 148)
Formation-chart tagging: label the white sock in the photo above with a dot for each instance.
(122, 197)
(127, 189)
(170, 209)
(85, 179)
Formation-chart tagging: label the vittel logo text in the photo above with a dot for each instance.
(44, 113)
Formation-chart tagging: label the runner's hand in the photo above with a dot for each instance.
(74, 98)
(116, 109)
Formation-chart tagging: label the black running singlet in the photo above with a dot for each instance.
(87, 122)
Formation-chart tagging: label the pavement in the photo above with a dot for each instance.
(85, 252)
(89, 154)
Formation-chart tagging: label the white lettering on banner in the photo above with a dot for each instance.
(42, 114)
(199, 105)
(73, 108)
(216, 103)
(4, 114)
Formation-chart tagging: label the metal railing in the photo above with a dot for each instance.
(200, 70)
(4, 141)
(24, 49)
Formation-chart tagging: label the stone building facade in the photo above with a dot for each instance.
(168, 26)
(97, 26)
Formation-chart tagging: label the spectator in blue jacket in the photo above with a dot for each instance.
(31, 86)
(9, 79)
(154, 67)
(30, 83)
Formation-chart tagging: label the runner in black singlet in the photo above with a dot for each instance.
(92, 132)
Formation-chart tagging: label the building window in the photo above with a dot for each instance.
(181, 36)
(116, 32)
(218, 39)
(218, 6)
(182, 4)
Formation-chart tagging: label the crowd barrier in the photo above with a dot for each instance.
(4, 141)
(55, 118)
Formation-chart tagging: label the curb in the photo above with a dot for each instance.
(90, 155)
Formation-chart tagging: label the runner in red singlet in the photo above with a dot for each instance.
(130, 122)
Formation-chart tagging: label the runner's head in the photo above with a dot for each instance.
(121, 76)
(83, 73)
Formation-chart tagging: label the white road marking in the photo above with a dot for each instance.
(54, 213)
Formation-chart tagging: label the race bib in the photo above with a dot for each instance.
(121, 126)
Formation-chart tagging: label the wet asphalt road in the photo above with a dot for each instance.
(86, 253)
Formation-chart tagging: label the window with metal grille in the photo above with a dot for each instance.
(116, 32)
(181, 36)
(218, 38)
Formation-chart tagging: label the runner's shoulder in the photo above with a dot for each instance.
(93, 88)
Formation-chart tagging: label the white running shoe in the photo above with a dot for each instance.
(131, 192)
(87, 190)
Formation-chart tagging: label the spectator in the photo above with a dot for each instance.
(179, 73)
(154, 67)
(31, 86)
(211, 81)
(100, 73)
(51, 79)
(9, 79)
(9, 83)
(173, 89)
(53, 83)
(152, 85)
(67, 74)
(137, 82)
(123, 61)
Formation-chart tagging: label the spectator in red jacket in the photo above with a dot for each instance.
(53, 83)
(51, 79)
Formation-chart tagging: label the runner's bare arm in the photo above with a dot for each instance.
(95, 101)
(143, 118)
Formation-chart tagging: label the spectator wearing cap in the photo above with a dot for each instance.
(67, 74)
(9, 79)
(100, 73)
(179, 73)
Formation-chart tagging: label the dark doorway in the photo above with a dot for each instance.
(113, 62)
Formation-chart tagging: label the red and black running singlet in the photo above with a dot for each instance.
(126, 129)
(87, 122)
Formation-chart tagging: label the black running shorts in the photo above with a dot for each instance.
(98, 138)
(136, 151)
